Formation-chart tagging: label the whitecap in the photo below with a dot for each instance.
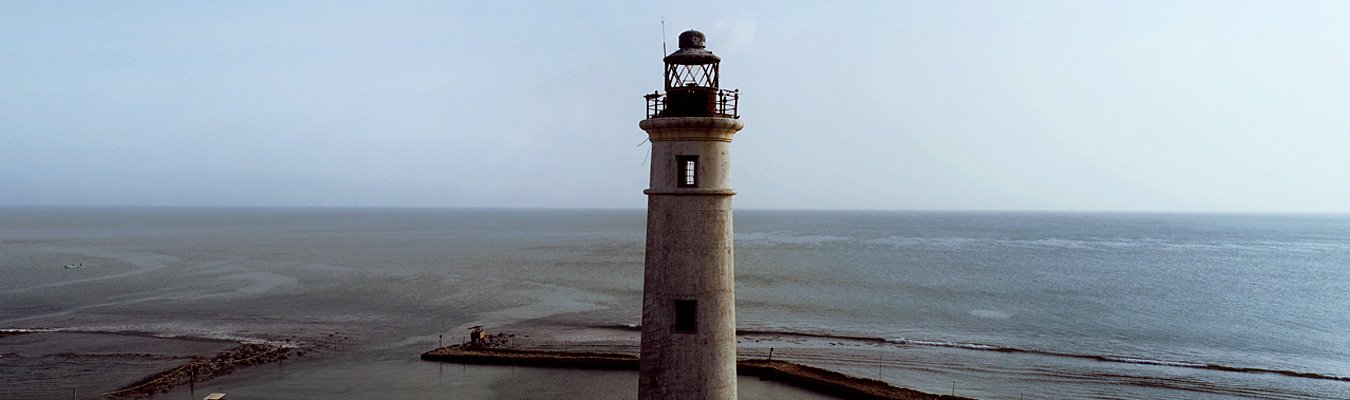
(784, 238)
(990, 314)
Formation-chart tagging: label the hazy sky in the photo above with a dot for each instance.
(1024, 105)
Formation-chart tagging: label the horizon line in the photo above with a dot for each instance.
(807, 209)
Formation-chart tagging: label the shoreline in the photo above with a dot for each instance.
(815, 379)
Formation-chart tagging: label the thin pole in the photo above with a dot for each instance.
(663, 36)
(879, 357)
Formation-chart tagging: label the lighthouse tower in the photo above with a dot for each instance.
(688, 297)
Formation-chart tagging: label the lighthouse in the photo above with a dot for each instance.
(688, 291)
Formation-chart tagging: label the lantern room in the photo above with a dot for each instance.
(692, 83)
(692, 65)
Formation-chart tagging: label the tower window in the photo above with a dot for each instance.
(688, 166)
(686, 316)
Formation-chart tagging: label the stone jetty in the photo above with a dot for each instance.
(807, 377)
(204, 369)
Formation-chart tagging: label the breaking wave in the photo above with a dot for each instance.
(149, 331)
(786, 238)
(1008, 349)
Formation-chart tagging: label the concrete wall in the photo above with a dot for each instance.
(689, 257)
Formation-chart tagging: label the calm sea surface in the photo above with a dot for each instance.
(991, 305)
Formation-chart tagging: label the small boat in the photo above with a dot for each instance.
(80, 265)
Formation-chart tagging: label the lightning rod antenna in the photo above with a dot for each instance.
(663, 36)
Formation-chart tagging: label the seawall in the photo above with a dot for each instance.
(819, 380)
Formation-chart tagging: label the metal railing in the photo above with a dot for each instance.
(727, 101)
(656, 104)
(724, 105)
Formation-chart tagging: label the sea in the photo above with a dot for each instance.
(991, 305)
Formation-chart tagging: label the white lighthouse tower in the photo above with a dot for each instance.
(688, 298)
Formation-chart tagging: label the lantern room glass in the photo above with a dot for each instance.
(700, 75)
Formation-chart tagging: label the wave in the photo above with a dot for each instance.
(1008, 349)
(141, 331)
(957, 345)
(1121, 359)
(788, 239)
(28, 330)
(122, 356)
(1130, 360)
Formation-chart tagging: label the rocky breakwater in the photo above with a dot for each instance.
(204, 369)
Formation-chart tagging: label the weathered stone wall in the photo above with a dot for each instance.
(689, 257)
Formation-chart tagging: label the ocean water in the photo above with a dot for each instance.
(985, 304)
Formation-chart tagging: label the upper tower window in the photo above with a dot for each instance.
(688, 167)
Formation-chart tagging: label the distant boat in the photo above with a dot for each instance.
(80, 265)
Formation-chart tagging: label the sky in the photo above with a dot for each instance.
(1175, 106)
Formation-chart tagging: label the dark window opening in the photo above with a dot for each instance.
(686, 316)
(688, 166)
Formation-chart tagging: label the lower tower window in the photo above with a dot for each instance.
(688, 167)
(686, 316)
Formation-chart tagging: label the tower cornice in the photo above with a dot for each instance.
(691, 128)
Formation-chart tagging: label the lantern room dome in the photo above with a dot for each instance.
(692, 50)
